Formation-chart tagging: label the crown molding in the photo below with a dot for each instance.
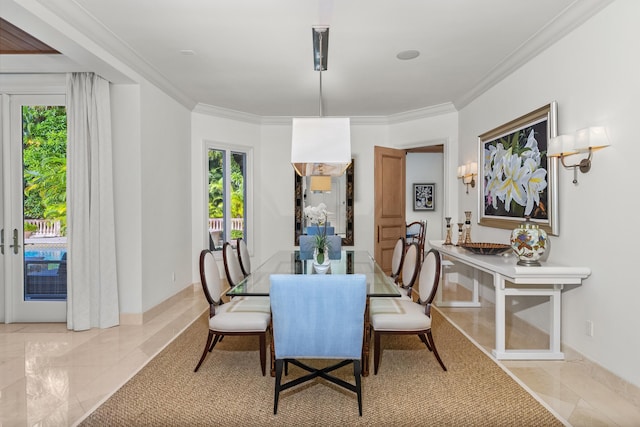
(408, 116)
(573, 16)
(423, 113)
(79, 35)
(225, 113)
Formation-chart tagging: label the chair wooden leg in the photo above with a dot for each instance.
(276, 394)
(263, 353)
(206, 350)
(376, 352)
(425, 341)
(356, 374)
(217, 339)
(435, 352)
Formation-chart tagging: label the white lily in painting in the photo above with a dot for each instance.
(514, 174)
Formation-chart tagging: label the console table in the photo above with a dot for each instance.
(510, 279)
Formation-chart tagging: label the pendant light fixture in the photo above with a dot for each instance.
(320, 146)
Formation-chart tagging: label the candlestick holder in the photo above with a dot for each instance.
(460, 234)
(447, 240)
(467, 223)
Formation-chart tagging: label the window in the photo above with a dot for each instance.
(227, 194)
(44, 149)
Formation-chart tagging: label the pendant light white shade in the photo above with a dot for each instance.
(320, 145)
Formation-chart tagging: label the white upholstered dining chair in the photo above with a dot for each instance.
(405, 317)
(243, 256)
(239, 317)
(397, 259)
(410, 268)
(232, 268)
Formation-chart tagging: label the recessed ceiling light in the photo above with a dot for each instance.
(187, 52)
(408, 54)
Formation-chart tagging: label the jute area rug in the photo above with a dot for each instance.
(410, 389)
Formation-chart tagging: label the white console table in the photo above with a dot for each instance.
(510, 279)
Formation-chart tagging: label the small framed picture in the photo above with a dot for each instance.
(424, 197)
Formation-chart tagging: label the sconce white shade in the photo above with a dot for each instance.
(468, 173)
(321, 146)
(583, 141)
(561, 145)
(593, 138)
(472, 168)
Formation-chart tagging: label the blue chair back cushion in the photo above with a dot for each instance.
(307, 242)
(318, 316)
(306, 246)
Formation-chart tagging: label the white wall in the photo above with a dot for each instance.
(438, 129)
(166, 196)
(127, 188)
(593, 75)
(426, 168)
(152, 164)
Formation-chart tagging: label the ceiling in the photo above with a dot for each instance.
(255, 56)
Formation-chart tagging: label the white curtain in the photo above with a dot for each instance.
(92, 287)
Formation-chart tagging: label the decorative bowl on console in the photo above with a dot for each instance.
(487, 248)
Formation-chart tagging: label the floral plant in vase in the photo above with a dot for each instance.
(317, 215)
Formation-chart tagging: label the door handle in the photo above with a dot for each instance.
(15, 245)
(2, 241)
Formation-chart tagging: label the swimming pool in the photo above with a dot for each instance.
(45, 254)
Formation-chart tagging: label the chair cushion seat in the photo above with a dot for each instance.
(395, 314)
(242, 315)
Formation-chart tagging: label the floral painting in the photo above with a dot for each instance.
(424, 197)
(518, 177)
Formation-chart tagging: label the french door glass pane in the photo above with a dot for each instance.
(227, 195)
(238, 195)
(44, 152)
(216, 199)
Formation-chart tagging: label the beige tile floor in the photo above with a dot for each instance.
(52, 377)
(568, 387)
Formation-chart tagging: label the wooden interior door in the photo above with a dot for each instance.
(390, 203)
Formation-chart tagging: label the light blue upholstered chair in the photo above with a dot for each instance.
(313, 230)
(307, 244)
(404, 317)
(318, 317)
(335, 246)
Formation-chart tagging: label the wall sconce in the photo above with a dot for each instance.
(468, 173)
(583, 141)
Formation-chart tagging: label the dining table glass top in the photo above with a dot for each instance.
(289, 262)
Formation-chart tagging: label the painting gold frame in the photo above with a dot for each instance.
(517, 179)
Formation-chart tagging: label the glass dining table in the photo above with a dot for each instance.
(351, 262)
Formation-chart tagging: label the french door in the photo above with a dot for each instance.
(33, 215)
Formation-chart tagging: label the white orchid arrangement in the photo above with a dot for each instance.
(318, 215)
(513, 173)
